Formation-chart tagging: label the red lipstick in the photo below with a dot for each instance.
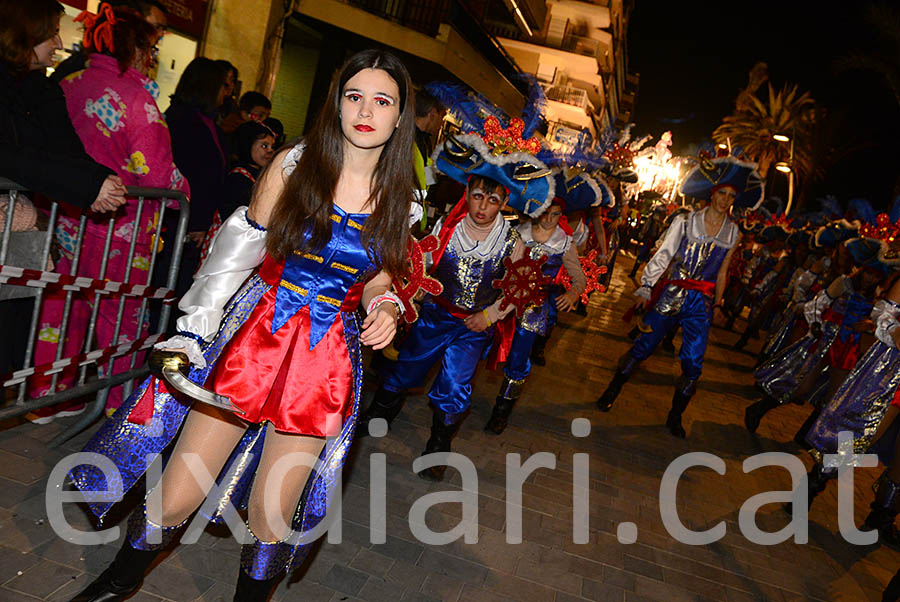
(363, 128)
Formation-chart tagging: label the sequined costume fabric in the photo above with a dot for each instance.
(468, 275)
(126, 445)
(860, 403)
(693, 256)
(440, 332)
(780, 376)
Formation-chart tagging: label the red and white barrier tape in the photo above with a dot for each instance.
(96, 356)
(17, 276)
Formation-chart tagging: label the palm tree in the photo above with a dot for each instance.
(755, 122)
(883, 57)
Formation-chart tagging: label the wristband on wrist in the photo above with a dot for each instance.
(487, 317)
(387, 296)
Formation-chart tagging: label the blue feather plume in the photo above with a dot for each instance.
(535, 105)
(471, 107)
(862, 209)
(830, 206)
(895, 210)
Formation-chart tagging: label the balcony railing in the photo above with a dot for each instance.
(568, 95)
(580, 45)
(424, 16)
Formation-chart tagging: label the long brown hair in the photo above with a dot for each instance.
(302, 217)
(24, 25)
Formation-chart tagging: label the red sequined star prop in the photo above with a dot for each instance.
(620, 156)
(882, 230)
(592, 273)
(417, 279)
(523, 284)
(508, 140)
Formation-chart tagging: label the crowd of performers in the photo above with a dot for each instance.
(268, 359)
(324, 263)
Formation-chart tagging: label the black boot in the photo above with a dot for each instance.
(742, 341)
(884, 510)
(537, 351)
(122, 578)
(386, 404)
(816, 481)
(627, 365)
(754, 412)
(253, 590)
(441, 435)
(800, 435)
(500, 415)
(684, 390)
(634, 333)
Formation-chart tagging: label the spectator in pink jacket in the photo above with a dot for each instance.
(112, 104)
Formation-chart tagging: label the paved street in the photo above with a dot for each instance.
(629, 450)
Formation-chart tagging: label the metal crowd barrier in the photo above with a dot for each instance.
(40, 279)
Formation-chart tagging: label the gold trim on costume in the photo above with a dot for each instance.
(309, 256)
(353, 224)
(329, 300)
(344, 267)
(293, 287)
(335, 218)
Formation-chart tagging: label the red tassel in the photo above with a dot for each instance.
(142, 412)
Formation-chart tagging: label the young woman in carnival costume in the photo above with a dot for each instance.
(811, 369)
(699, 248)
(458, 325)
(866, 402)
(329, 225)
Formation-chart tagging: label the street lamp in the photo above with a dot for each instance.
(787, 167)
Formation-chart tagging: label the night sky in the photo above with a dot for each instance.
(693, 58)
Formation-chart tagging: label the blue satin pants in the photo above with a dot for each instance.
(695, 318)
(518, 362)
(437, 335)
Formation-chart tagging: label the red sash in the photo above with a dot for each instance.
(704, 286)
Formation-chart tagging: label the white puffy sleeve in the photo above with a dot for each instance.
(813, 309)
(658, 264)
(885, 315)
(235, 251)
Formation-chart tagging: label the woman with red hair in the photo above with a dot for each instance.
(112, 105)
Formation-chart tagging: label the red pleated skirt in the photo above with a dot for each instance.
(277, 378)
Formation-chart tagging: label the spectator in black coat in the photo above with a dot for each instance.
(199, 154)
(39, 148)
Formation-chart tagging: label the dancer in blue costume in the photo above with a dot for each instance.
(328, 223)
(811, 369)
(457, 326)
(543, 237)
(862, 405)
(699, 248)
(786, 328)
(764, 296)
(581, 192)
